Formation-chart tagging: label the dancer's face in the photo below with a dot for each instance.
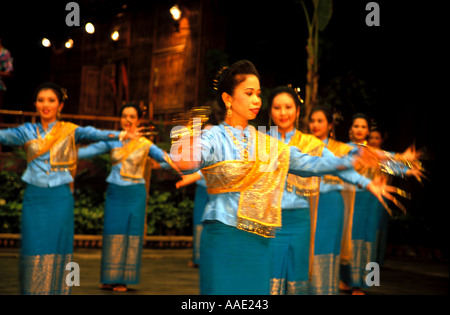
(245, 101)
(48, 105)
(375, 139)
(319, 126)
(129, 118)
(359, 130)
(284, 112)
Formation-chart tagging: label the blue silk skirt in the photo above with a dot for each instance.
(364, 233)
(233, 262)
(200, 201)
(47, 240)
(327, 245)
(123, 232)
(290, 253)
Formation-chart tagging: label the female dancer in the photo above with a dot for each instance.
(330, 214)
(245, 172)
(47, 213)
(376, 140)
(125, 203)
(291, 248)
(363, 225)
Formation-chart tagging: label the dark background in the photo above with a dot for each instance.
(384, 71)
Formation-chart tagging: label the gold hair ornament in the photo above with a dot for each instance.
(217, 78)
(64, 94)
(297, 91)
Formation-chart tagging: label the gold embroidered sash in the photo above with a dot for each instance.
(260, 183)
(338, 148)
(134, 158)
(348, 195)
(341, 149)
(308, 187)
(312, 146)
(60, 141)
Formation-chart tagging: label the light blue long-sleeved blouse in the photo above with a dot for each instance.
(291, 200)
(114, 176)
(217, 145)
(38, 171)
(202, 181)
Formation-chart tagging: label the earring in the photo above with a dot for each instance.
(229, 111)
(58, 115)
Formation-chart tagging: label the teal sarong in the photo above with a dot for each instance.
(47, 240)
(290, 252)
(233, 262)
(200, 200)
(123, 231)
(364, 233)
(327, 246)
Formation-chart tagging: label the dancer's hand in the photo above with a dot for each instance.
(379, 188)
(184, 150)
(131, 133)
(417, 173)
(187, 180)
(412, 156)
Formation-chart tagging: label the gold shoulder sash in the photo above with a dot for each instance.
(133, 156)
(348, 195)
(307, 187)
(339, 149)
(260, 183)
(313, 146)
(61, 132)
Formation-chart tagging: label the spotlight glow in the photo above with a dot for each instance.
(115, 36)
(69, 44)
(176, 13)
(46, 42)
(90, 29)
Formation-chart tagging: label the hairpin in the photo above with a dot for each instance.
(64, 94)
(297, 91)
(217, 77)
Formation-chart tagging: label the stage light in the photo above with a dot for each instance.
(46, 42)
(90, 29)
(115, 36)
(69, 44)
(176, 13)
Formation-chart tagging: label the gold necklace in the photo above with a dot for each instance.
(39, 133)
(243, 151)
